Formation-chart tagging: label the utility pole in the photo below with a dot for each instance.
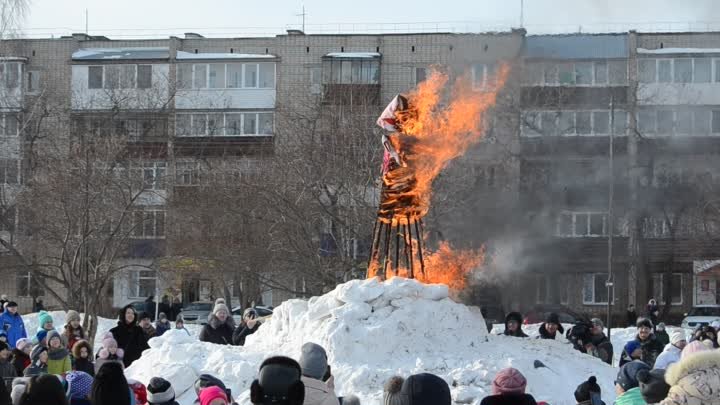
(522, 13)
(610, 217)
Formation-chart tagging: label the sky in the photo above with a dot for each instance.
(229, 18)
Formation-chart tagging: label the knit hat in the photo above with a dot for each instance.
(36, 352)
(583, 391)
(43, 318)
(40, 336)
(644, 322)
(162, 315)
(22, 344)
(208, 394)
(160, 391)
(631, 346)
(509, 381)
(53, 334)
(220, 307)
(597, 322)
(513, 316)
(661, 326)
(138, 390)
(72, 316)
(552, 318)
(652, 385)
(108, 343)
(677, 336)
(426, 389)
(693, 347)
(79, 384)
(220, 301)
(313, 361)
(627, 377)
(391, 392)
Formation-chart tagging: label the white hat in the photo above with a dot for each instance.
(677, 336)
(715, 325)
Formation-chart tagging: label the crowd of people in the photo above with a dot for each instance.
(55, 367)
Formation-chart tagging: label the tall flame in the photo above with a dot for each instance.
(438, 127)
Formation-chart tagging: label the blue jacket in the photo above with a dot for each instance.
(14, 326)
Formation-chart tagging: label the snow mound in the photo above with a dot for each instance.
(373, 330)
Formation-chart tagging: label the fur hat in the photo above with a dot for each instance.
(509, 381)
(160, 391)
(391, 391)
(220, 301)
(597, 322)
(661, 326)
(72, 316)
(78, 346)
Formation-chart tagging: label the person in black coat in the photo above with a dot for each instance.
(632, 316)
(129, 336)
(649, 345)
(149, 308)
(513, 322)
(551, 327)
(219, 329)
(247, 327)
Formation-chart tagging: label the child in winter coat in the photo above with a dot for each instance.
(21, 355)
(73, 331)
(162, 325)
(160, 392)
(109, 352)
(146, 325)
(45, 321)
(39, 358)
(7, 370)
(695, 379)
(180, 324)
(59, 357)
(83, 360)
(508, 387)
(40, 338)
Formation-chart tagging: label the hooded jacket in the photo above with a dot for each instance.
(83, 364)
(217, 332)
(20, 360)
(514, 316)
(129, 337)
(631, 397)
(669, 356)
(14, 326)
(318, 393)
(694, 380)
(72, 335)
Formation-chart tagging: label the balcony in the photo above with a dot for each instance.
(351, 94)
(11, 83)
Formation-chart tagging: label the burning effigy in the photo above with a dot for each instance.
(427, 128)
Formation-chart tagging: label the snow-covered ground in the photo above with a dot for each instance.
(375, 330)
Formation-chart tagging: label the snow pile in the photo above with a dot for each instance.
(373, 330)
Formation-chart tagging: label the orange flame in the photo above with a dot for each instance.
(437, 128)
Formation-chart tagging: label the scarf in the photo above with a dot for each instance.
(57, 354)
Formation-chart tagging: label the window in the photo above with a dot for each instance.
(148, 224)
(665, 122)
(617, 72)
(9, 125)
(27, 286)
(8, 220)
(215, 124)
(127, 76)
(251, 75)
(153, 175)
(267, 76)
(112, 77)
(582, 224)
(200, 76)
(184, 76)
(336, 71)
(583, 122)
(530, 123)
(216, 76)
(646, 70)
(683, 70)
(620, 122)
(601, 73)
(233, 124)
(665, 70)
(683, 122)
(95, 77)
(33, 85)
(566, 73)
(594, 289)
(144, 76)
(315, 80)
(567, 123)
(676, 288)
(548, 122)
(716, 62)
(234, 75)
(187, 173)
(229, 124)
(646, 121)
(265, 123)
(199, 124)
(183, 125)
(703, 70)
(701, 122)
(584, 73)
(250, 124)
(550, 75)
(601, 122)
(715, 126)
(142, 283)
(482, 75)
(9, 171)
(420, 75)
(12, 80)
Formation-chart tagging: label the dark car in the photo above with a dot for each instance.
(540, 312)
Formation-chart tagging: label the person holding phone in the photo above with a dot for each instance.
(249, 325)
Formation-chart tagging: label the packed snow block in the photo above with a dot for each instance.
(359, 290)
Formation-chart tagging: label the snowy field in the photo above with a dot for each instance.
(375, 330)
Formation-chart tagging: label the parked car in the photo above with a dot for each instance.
(262, 311)
(197, 312)
(701, 316)
(538, 314)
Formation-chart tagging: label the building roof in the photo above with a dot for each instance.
(182, 55)
(120, 53)
(577, 46)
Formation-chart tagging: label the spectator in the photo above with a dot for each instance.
(139, 392)
(589, 393)
(7, 370)
(550, 328)
(213, 396)
(513, 320)
(21, 355)
(176, 308)
(45, 322)
(162, 325)
(652, 385)
(164, 306)
(627, 386)
(632, 351)
(649, 345)
(41, 338)
(3, 300)
(109, 353)
(73, 331)
(180, 324)
(150, 307)
(39, 358)
(110, 387)
(671, 353)
(44, 389)
(59, 357)
(599, 345)
(38, 305)
(313, 362)
(278, 383)
(160, 392)
(631, 316)
(695, 379)
(508, 387)
(18, 389)
(247, 327)
(146, 325)
(653, 311)
(661, 334)
(129, 336)
(219, 329)
(12, 323)
(391, 392)
(79, 387)
(426, 389)
(82, 354)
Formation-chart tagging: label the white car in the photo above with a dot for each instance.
(701, 316)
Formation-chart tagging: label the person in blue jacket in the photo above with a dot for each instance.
(12, 323)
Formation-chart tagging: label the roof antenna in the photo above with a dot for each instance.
(522, 13)
(303, 17)
(86, 21)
